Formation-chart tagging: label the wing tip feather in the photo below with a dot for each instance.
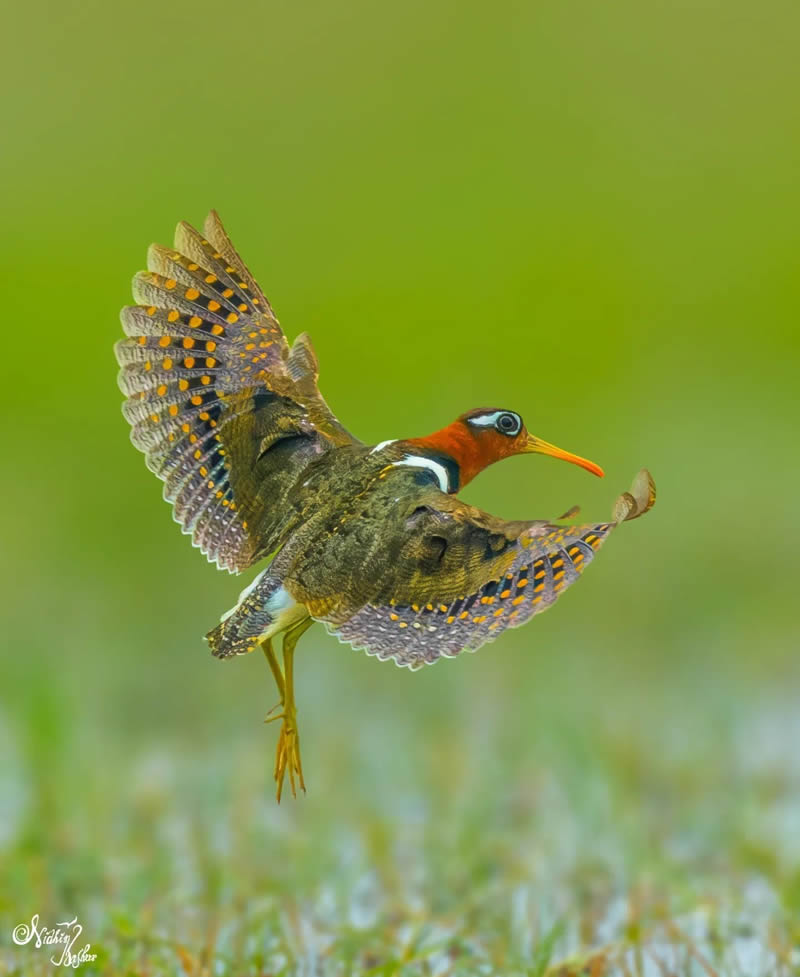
(640, 499)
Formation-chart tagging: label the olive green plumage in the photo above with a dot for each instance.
(256, 463)
(371, 541)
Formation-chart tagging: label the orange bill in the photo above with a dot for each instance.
(545, 448)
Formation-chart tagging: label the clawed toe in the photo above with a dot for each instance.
(269, 718)
(287, 757)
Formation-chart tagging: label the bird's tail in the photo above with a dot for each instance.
(264, 608)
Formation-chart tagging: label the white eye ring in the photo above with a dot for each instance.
(507, 423)
(493, 419)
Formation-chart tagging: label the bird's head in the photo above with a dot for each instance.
(481, 437)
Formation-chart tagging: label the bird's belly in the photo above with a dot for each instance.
(284, 611)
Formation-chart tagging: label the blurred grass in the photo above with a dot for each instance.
(587, 213)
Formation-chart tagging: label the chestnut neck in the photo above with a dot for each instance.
(457, 442)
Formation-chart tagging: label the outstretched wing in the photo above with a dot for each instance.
(461, 577)
(226, 413)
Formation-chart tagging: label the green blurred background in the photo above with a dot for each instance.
(584, 212)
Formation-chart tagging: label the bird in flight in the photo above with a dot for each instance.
(369, 540)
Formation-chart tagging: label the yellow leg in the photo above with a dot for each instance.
(287, 756)
(275, 668)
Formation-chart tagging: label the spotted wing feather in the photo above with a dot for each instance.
(209, 375)
(526, 577)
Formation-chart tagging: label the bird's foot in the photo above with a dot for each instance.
(287, 755)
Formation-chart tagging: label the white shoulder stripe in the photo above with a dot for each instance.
(417, 461)
(383, 444)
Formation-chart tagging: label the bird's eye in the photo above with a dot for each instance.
(508, 424)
